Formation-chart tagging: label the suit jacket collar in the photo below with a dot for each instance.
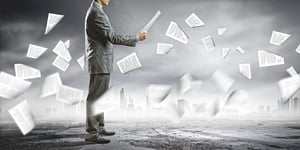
(97, 5)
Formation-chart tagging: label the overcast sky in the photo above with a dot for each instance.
(250, 24)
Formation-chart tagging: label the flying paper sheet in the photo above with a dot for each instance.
(53, 20)
(288, 87)
(239, 49)
(51, 85)
(278, 38)
(176, 33)
(164, 48)
(23, 117)
(245, 70)
(221, 31)
(69, 95)
(106, 103)
(35, 51)
(61, 50)
(26, 72)
(129, 63)
(292, 72)
(151, 22)
(298, 49)
(194, 21)
(157, 93)
(67, 44)
(208, 43)
(225, 52)
(11, 86)
(185, 83)
(266, 59)
(60, 63)
(81, 62)
(222, 80)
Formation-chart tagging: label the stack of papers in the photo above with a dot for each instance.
(62, 51)
(53, 20)
(35, 51)
(269, 59)
(194, 21)
(129, 63)
(176, 33)
(60, 63)
(23, 117)
(164, 48)
(51, 85)
(11, 86)
(26, 72)
(245, 70)
(208, 43)
(278, 38)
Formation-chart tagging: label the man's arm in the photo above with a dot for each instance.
(103, 26)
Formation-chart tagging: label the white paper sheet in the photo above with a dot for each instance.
(176, 33)
(267, 59)
(129, 63)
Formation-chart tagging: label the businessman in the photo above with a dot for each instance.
(99, 40)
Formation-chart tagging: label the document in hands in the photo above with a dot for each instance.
(292, 72)
(11, 86)
(151, 22)
(129, 63)
(222, 80)
(226, 51)
(26, 72)
(51, 85)
(164, 48)
(61, 50)
(35, 51)
(52, 21)
(176, 33)
(23, 117)
(278, 38)
(288, 87)
(194, 21)
(157, 93)
(69, 95)
(269, 59)
(208, 43)
(245, 70)
(60, 63)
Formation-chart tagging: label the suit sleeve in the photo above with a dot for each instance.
(103, 26)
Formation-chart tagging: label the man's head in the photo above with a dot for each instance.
(103, 2)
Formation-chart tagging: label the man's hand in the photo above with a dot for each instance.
(142, 36)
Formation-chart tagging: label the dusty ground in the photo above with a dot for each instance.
(214, 134)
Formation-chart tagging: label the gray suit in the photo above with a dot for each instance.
(99, 40)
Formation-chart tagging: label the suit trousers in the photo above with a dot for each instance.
(99, 84)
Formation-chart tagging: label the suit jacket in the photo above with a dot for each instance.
(99, 40)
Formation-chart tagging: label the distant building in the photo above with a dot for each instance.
(148, 103)
(181, 104)
(283, 106)
(131, 104)
(294, 104)
(123, 102)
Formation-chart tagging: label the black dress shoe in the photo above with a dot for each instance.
(97, 139)
(103, 132)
